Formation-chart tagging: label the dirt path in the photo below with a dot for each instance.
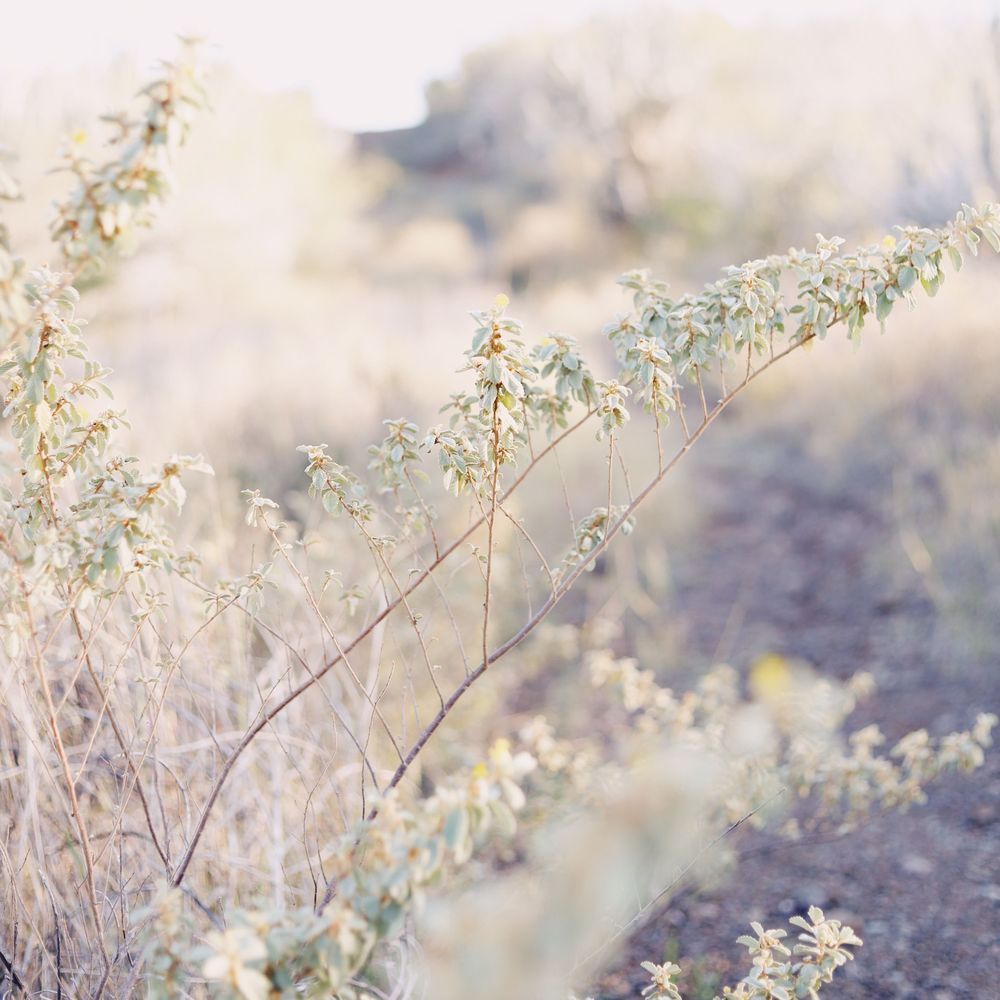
(802, 560)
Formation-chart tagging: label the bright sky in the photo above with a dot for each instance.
(364, 61)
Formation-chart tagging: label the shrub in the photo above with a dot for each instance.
(130, 859)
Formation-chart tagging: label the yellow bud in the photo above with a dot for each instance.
(502, 301)
(770, 677)
(79, 137)
(479, 771)
(500, 749)
(889, 243)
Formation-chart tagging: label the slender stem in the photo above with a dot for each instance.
(11, 972)
(701, 388)
(88, 857)
(426, 512)
(411, 615)
(74, 802)
(328, 628)
(680, 412)
(490, 522)
(659, 443)
(543, 562)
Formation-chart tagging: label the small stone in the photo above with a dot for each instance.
(914, 864)
(985, 814)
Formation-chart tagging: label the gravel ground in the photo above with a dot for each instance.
(812, 568)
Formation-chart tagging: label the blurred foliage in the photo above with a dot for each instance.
(671, 134)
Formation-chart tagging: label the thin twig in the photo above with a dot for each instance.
(490, 523)
(11, 972)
